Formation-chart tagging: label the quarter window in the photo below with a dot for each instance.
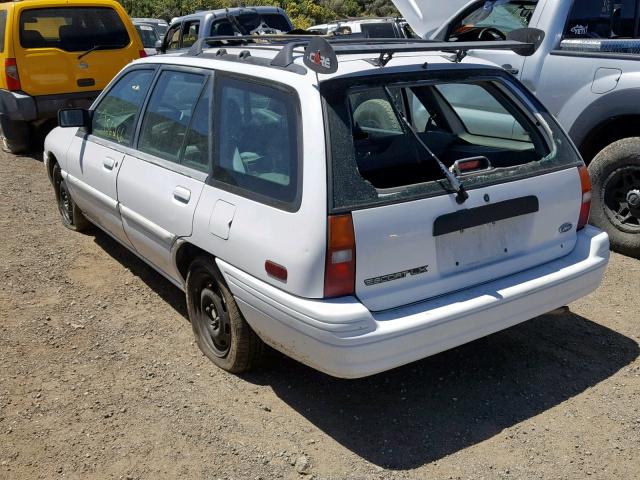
(115, 117)
(3, 28)
(601, 19)
(169, 113)
(257, 138)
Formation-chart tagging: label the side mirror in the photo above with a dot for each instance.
(74, 117)
(533, 37)
(158, 46)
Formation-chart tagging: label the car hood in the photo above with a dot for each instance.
(426, 17)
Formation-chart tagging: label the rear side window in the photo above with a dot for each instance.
(190, 32)
(169, 113)
(72, 29)
(3, 28)
(601, 19)
(258, 145)
(114, 118)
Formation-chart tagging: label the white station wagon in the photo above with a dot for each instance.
(355, 204)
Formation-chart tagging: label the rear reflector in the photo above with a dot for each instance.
(585, 208)
(340, 270)
(142, 53)
(11, 75)
(276, 271)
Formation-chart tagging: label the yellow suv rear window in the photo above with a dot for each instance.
(73, 29)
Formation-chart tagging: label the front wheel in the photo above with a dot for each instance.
(70, 214)
(615, 174)
(221, 332)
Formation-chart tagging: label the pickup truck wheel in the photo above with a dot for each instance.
(615, 174)
(16, 139)
(71, 216)
(221, 332)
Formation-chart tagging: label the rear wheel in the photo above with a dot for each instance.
(615, 174)
(221, 332)
(71, 216)
(14, 136)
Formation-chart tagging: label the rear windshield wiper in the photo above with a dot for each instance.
(454, 182)
(97, 47)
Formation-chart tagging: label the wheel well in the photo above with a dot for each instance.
(52, 161)
(608, 132)
(186, 254)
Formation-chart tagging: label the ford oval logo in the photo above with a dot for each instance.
(567, 227)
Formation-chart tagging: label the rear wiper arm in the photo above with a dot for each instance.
(96, 47)
(454, 182)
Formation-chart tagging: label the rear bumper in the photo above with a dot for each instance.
(342, 338)
(21, 107)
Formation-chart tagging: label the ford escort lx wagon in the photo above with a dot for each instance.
(356, 204)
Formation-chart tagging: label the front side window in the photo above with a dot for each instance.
(114, 118)
(257, 139)
(190, 33)
(173, 38)
(601, 19)
(72, 29)
(494, 20)
(169, 113)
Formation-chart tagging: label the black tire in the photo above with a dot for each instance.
(70, 214)
(376, 113)
(14, 136)
(221, 331)
(615, 174)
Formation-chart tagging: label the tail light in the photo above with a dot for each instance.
(11, 74)
(142, 53)
(585, 208)
(340, 270)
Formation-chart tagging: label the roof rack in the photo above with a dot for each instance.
(322, 51)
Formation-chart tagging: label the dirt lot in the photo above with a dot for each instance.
(100, 378)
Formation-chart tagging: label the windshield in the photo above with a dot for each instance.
(147, 35)
(72, 29)
(376, 158)
(499, 16)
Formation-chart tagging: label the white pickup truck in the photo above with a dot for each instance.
(587, 74)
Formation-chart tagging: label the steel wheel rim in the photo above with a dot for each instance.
(64, 202)
(214, 319)
(622, 199)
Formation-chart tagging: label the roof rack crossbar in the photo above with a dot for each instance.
(356, 46)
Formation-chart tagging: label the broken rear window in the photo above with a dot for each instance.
(376, 158)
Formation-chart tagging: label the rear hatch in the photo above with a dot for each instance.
(414, 240)
(53, 48)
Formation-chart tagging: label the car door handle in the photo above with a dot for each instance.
(182, 194)
(109, 163)
(509, 68)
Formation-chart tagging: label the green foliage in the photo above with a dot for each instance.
(304, 13)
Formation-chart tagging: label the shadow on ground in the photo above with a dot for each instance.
(425, 411)
(160, 285)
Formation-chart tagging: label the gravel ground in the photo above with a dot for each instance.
(100, 379)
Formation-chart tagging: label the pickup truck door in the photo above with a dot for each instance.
(159, 185)
(95, 159)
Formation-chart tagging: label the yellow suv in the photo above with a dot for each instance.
(57, 54)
